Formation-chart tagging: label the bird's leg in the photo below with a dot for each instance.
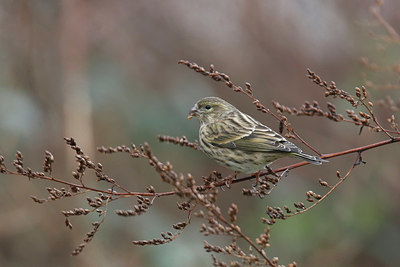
(257, 174)
(359, 160)
(285, 173)
(270, 171)
(228, 182)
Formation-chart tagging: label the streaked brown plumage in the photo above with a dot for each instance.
(239, 142)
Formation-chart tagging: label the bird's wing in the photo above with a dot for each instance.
(246, 134)
(225, 134)
(263, 139)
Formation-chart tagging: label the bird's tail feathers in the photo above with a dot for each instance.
(312, 159)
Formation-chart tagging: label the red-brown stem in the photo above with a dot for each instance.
(325, 156)
(98, 190)
(222, 182)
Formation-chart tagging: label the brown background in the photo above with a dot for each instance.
(106, 73)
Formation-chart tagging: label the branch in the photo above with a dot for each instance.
(325, 156)
(144, 194)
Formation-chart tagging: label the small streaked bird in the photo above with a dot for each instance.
(237, 141)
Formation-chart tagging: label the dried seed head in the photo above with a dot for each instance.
(358, 92)
(19, 155)
(322, 183)
(48, 162)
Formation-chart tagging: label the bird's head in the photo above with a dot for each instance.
(210, 109)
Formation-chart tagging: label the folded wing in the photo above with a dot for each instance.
(246, 134)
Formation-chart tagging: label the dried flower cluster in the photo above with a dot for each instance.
(178, 141)
(143, 205)
(308, 109)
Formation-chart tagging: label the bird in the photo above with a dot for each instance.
(237, 141)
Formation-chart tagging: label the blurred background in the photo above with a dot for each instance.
(106, 73)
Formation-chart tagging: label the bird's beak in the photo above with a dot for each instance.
(192, 113)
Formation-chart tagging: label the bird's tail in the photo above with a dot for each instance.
(312, 159)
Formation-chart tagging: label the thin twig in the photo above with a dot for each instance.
(328, 193)
(245, 237)
(144, 194)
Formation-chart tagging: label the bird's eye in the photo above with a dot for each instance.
(207, 107)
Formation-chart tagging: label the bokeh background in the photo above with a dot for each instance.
(106, 73)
